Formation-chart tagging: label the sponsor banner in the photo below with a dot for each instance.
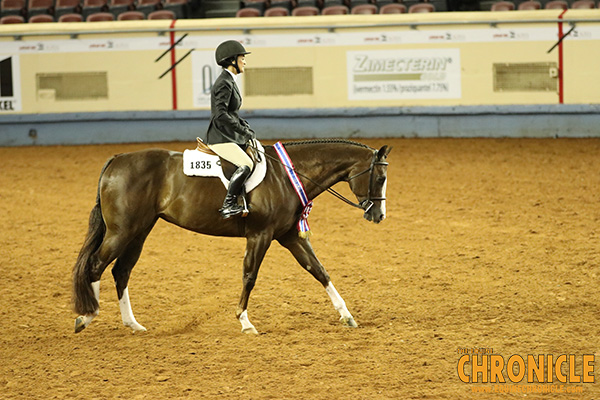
(109, 44)
(404, 74)
(10, 83)
(205, 72)
(301, 39)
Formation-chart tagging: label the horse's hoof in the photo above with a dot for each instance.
(79, 324)
(349, 322)
(250, 331)
(137, 328)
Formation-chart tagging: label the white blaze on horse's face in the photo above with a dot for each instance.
(374, 203)
(382, 179)
(377, 211)
(383, 190)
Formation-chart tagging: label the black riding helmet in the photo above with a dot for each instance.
(227, 53)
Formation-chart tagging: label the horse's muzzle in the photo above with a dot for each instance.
(372, 216)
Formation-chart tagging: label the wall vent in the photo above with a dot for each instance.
(286, 81)
(73, 85)
(526, 77)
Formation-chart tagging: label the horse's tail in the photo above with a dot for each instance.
(84, 300)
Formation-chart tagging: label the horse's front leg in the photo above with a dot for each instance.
(302, 250)
(256, 248)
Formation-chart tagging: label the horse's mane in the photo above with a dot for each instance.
(326, 141)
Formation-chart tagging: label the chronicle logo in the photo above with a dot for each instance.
(9, 84)
(543, 368)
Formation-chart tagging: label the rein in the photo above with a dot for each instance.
(364, 205)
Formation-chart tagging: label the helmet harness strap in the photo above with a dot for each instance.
(234, 62)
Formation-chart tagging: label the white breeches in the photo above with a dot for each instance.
(232, 153)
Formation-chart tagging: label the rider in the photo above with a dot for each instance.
(228, 134)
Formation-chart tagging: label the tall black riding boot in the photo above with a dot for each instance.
(230, 206)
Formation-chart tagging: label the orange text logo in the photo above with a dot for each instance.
(543, 368)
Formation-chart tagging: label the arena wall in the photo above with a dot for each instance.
(440, 74)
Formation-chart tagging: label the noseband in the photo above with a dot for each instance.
(367, 203)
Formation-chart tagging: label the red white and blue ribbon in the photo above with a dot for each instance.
(303, 228)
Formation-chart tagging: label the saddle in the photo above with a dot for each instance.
(203, 147)
(252, 151)
(203, 162)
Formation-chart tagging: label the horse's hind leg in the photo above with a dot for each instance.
(302, 250)
(121, 273)
(82, 321)
(110, 248)
(256, 247)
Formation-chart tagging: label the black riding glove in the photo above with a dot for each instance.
(250, 135)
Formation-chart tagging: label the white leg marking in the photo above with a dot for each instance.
(247, 327)
(340, 305)
(83, 321)
(96, 289)
(337, 300)
(127, 313)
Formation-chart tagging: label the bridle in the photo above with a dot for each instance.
(367, 203)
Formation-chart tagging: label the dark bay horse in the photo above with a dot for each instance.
(136, 189)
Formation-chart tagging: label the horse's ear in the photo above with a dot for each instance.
(384, 151)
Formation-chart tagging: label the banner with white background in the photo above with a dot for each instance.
(404, 74)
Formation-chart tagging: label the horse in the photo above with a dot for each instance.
(136, 189)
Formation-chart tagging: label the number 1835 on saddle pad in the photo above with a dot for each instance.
(199, 162)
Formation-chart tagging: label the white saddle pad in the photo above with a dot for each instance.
(198, 163)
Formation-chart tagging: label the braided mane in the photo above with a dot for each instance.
(326, 141)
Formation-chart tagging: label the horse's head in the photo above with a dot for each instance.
(369, 182)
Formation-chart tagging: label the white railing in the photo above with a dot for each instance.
(329, 27)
